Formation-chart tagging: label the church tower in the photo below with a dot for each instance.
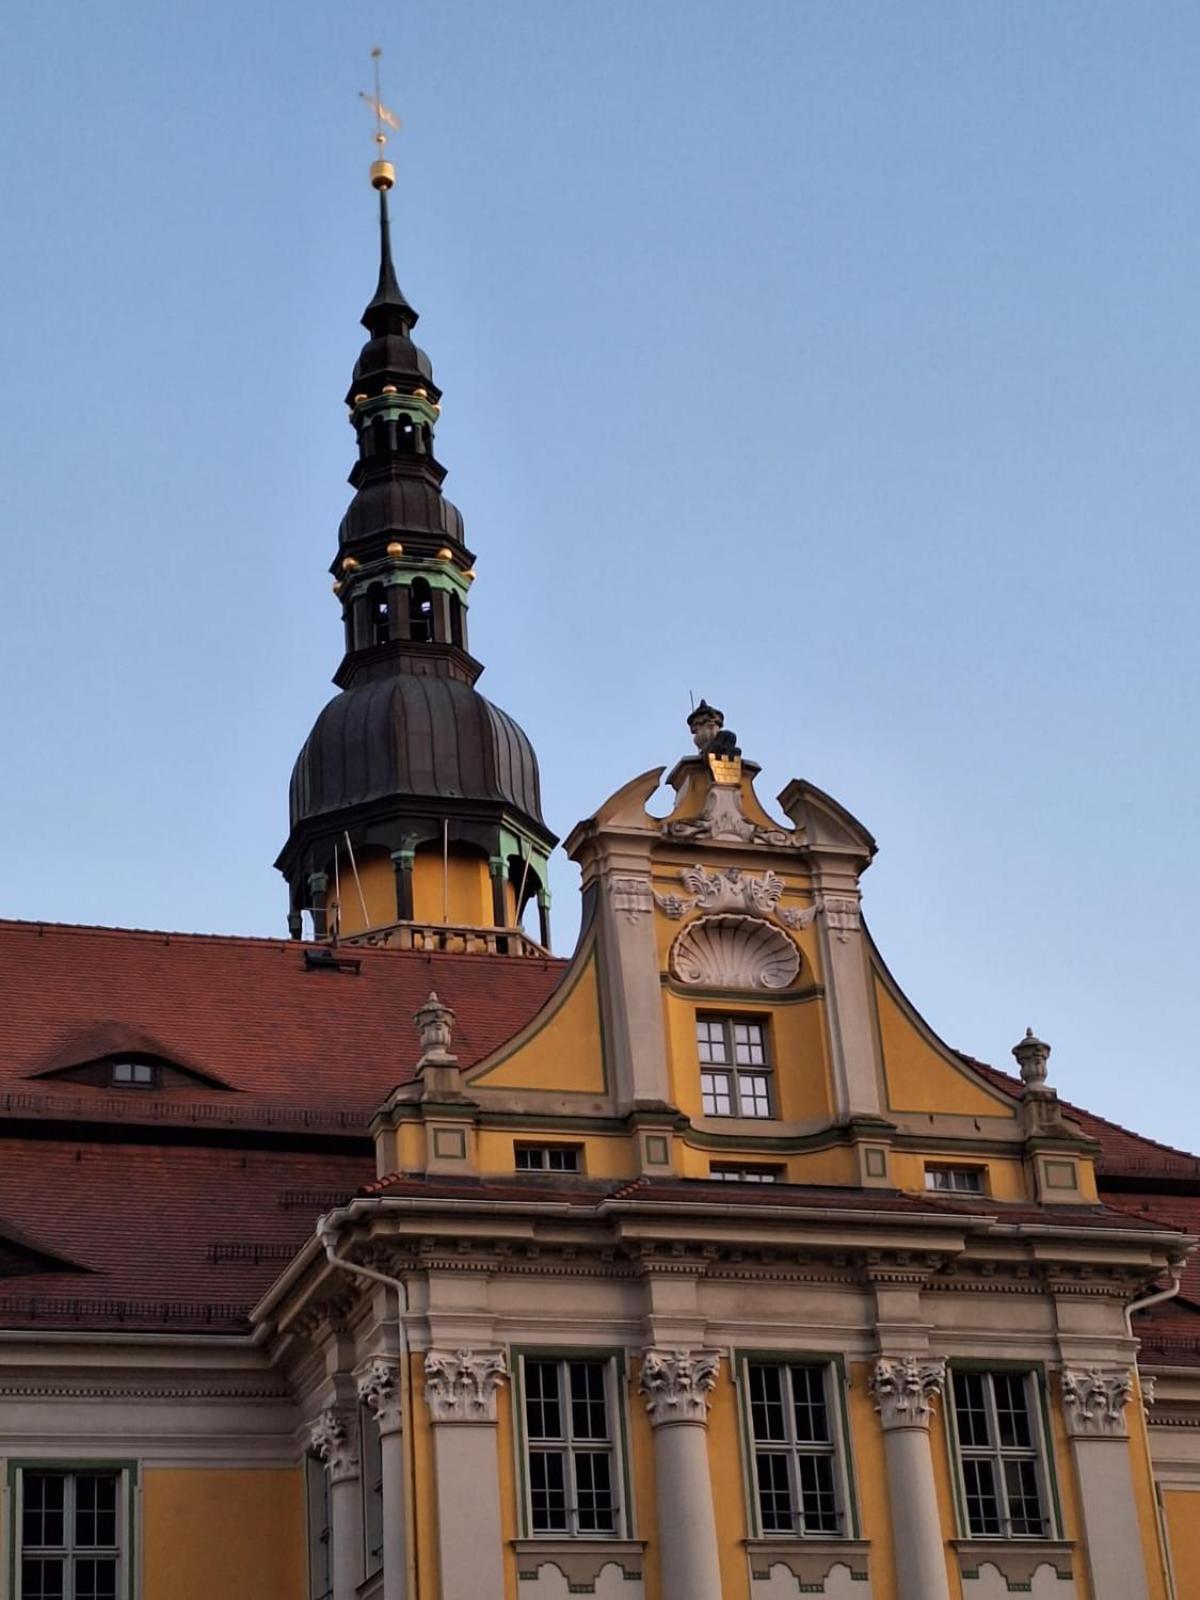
(415, 803)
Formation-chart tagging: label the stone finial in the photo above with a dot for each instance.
(434, 1024)
(676, 1384)
(1032, 1055)
(904, 1389)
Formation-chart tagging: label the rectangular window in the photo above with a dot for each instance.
(744, 1172)
(72, 1534)
(1001, 1456)
(548, 1157)
(959, 1180)
(735, 1068)
(133, 1074)
(320, 1553)
(370, 1448)
(794, 1426)
(571, 1457)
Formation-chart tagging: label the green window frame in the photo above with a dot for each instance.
(540, 1430)
(318, 1529)
(73, 1528)
(998, 1434)
(798, 1467)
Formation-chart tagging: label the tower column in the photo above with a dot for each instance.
(904, 1388)
(677, 1384)
(403, 861)
(379, 1389)
(1094, 1401)
(333, 1439)
(499, 903)
(460, 1391)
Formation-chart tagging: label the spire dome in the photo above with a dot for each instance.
(388, 311)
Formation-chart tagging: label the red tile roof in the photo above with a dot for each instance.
(245, 1011)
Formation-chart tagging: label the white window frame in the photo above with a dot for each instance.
(837, 1450)
(318, 1530)
(68, 1552)
(976, 1174)
(616, 1445)
(545, 1149)
(998, 1454)
(733, 1070)
(746, 1172)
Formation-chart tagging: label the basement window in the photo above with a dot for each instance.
(956, 1180)
(548, 1157)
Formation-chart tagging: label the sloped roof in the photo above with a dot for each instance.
(247, 1012)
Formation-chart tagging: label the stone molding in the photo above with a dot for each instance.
(333, 1440)
(140, 1390)
(1016, 1560)
(379, 1391)
(461, 1385)
(904, 1389)
(810, 1561)
(1094, 1400)
(677, 1384)
(581, 1561)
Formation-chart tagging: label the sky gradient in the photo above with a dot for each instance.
(834, 361)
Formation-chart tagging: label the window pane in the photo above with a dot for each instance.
(812, 1414)
(529, 1159)
(96, 1510)
(547, 1491)
(1024, 1499)
(767, 1411)
(983, 1507)
(774, 1491)
(593, 1489)
(543, 1412)
(43, 1524)
(588, 1408)
(754, 1099)
(562, 1158)
(717, 1093)
(970, 1409)
(1012, 1410)
(42, 1579)
(95, 1578)
(749, 1045)
(818, 1499)
(710, 1040)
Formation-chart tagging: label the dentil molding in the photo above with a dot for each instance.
(461, 1385)
(904, 1389)
(1094, 1399)
(333, 1440)
(379, 1390)
(677, 1383)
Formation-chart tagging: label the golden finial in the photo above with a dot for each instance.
(383, 173)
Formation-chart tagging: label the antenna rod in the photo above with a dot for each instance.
(357, 880)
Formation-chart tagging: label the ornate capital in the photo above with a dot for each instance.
(333, 1440)
(676, 1384)
(379, 1390)
(461, 1386)
(905, 1388)
(1094, 1400)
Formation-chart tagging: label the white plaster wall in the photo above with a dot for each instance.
(784, 1585)
(991, 1585)
(550, 1584)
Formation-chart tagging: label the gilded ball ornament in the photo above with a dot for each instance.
(395, 548)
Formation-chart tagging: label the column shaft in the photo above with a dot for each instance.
(395, 1552)
(687, 1526)
(346, 1535)
(916, 1524)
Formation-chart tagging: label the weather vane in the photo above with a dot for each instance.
(382, 172)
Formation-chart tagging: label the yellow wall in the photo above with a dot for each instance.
(1068, 1495)
(562, 1049)
(378, 880)
(611, 1157)
(1182, 1510)
(467, 889)
(1005, 1179)
(1143, 1490)
(234, 1532)
(799, 1064)
(645, 1492)
(870, 1481)
(725, 1464)
(919, 1077)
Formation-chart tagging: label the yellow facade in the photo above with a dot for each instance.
(238, 1533)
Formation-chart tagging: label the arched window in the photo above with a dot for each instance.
(420, 611)
(456, 621)
(377, 613)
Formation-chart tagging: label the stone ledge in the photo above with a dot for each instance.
(581, 1561)
(808, 1560)
(1015, 1559)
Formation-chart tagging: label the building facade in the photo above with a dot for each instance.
(400, 1258)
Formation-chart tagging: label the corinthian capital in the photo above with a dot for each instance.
(905, 1388)
(461, 1385)
(1094, 1400)
(676, 1384)
(379, 1391)
(333, 1440)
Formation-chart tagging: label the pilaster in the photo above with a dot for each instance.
(677, 1384)
(904, 1389)
(334, 1440)
(379, 1389)
(1095, 1400)
(461, 1389)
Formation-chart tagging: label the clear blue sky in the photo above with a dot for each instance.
(836, 361)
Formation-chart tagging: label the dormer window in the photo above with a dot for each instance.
(955, 1180)
(133, 1075)
(735, 1069)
